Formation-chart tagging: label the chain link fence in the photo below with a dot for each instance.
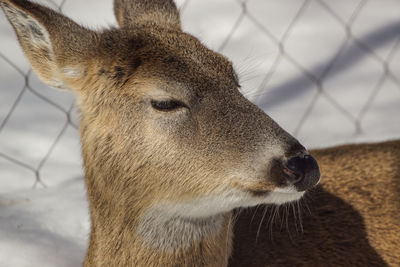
(288, 69)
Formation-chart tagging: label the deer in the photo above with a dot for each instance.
(172, 151)
(353, 219)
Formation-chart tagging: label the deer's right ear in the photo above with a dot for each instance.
(55, 46)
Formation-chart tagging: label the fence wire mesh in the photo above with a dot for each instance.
(386, 71)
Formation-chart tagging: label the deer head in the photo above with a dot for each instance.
(165, 131)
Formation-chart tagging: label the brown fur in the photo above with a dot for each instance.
(147, 170)
(131, 12)
(354, 217)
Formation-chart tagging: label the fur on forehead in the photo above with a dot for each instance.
(169, 52)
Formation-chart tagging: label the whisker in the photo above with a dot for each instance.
(287, 221)
(282, 219)
(300, 218)
(270, 221)
(254, 214)
(248, 65)
(287, 216)
(236, 215)
(306, 205)
(295, 217)
(262, 218)
(274, 216)
(230, 224)
(278, 214)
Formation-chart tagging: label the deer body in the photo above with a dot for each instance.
(353, 220)
(170, 147)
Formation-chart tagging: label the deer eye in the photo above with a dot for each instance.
(167, 105)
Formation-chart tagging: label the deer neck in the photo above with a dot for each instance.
(125, 234)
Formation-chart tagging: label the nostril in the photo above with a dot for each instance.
(302, 171)
(291, 175)
(292, 171)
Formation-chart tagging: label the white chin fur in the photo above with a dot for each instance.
(167, 226)
(213, 205)
(283, 195)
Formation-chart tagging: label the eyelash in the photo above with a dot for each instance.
(167, 105)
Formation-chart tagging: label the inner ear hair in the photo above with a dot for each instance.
(54, 44)
(28, 29)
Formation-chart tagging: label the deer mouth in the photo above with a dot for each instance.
(267, 195)
(258, 193)
(277, 196)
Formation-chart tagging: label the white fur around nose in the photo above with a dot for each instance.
(283, 195)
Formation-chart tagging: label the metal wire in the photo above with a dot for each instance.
(280, 42)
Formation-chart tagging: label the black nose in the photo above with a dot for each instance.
(302, 172)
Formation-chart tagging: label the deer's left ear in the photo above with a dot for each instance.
(161, 12)
(56, 46)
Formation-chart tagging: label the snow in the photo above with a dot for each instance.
(48, 226)
(44, 227)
